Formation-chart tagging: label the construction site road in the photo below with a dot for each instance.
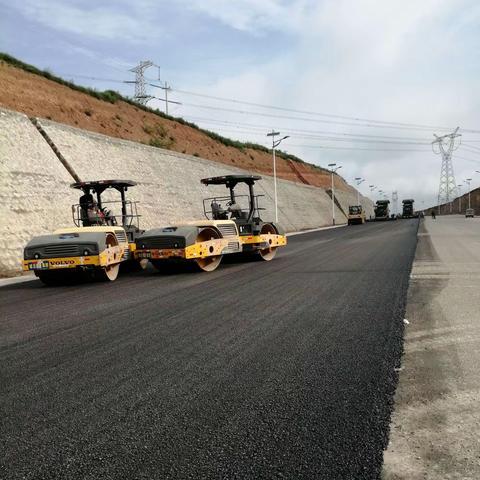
(282, 369)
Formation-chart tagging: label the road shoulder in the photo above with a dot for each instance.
(434, 430)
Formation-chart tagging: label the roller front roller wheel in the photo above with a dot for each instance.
(208, 264)
(108, 274)
(268, 253)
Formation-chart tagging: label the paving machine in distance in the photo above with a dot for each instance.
(407, 208)
(232, 228)
(382, 211)
(356, 215)
(103, 237)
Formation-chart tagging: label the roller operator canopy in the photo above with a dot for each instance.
(99, 186)
(231, 180)
(103, 184)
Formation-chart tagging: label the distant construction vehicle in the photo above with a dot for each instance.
(407, 209)
(382, 210)
(356, 215)
(94, 248)
(237, 228)
(469, 213)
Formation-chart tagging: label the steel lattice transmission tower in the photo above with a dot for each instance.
(445, 145)
(395, 202)
(140, 91)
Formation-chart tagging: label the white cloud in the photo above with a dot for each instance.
(368, 58)
(89, 19)
(254, 15)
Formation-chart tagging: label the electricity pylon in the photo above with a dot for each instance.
(140, 91)
(395, 202)
(445, 145)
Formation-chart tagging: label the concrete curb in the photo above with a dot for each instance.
(12, 281)
(292, 234)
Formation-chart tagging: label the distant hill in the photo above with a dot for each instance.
(38, 93)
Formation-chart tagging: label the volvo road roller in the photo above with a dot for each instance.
(103, 237)
(232, 225)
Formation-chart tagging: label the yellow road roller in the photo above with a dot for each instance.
(102, 239)
(232, 225)
(356, 215)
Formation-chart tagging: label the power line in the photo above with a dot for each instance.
(324, 137)
(294, 130)
(472, 148)
(355, 148)
(467, 159)
(369, 122)
(307, 112)
(113, 80)
(301, 119)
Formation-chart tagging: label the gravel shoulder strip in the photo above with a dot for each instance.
(437, 416)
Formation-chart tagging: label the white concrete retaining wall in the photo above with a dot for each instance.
(348, 198)
(169, 187)
(35, 195)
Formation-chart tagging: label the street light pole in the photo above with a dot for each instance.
(460, 198)
(359, 181)
(467, 181)
(332, 171)
(275, 144)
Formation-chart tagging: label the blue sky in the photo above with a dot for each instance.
(397, 61)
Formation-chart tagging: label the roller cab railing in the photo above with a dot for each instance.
(224, 208)
(114, 213)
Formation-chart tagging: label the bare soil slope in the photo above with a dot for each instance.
(37, 96)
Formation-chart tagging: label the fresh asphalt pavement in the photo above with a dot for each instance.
(282, 369)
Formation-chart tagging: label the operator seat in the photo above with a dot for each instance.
(236, 211)
(218, 213)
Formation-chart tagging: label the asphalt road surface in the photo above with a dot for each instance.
(283, 369)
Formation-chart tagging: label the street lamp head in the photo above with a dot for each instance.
(273, 134)
(286, 136)
(341, 167)
(358, 178)
(469, 180)
(331, 164)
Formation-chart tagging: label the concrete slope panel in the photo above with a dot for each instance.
(169, 187)
(35, 197)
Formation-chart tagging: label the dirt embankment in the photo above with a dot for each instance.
(37, 96)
